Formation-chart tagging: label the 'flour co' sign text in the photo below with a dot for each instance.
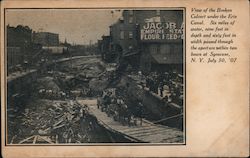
(153, 29)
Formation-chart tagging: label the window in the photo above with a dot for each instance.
(121, 19)
(165, 49)
(155, 48)
(130, 34)
(130, 20)
(122, 35)
(158, 12)
(130, 12)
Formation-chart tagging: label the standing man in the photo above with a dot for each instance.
(25, 64)
(140, 111)
(161, 88)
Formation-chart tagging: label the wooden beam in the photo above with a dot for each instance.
(24, 140)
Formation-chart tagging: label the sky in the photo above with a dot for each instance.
(78, 26)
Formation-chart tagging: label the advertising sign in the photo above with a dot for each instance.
(155, 29)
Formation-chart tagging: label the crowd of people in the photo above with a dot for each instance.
(115, 107)
(167, 85)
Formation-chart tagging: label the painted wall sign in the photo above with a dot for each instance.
(154, 29)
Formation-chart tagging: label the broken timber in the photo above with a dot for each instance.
(36, 139)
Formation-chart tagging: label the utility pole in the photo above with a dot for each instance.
(71, 62)
(90, 46)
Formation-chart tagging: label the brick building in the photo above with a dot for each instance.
(149, 39)
(19, 41)
(160, 37)
(46, 38)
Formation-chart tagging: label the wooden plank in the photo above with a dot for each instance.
(128, 130)
(34, 141)
(162, 132)
(26, 139)
(150, 131)
(46, 139)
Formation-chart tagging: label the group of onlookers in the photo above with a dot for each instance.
(167, 85)
(115, 107)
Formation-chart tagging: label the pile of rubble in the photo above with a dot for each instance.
(47, 83)
(91, 71)
(62, 121)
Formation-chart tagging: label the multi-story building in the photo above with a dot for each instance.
(19, 41)
(151, 38)
(46, 38)
(124, 40)
(160, 37)
(19, 36)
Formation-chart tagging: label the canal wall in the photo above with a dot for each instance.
(19, 87)
(158, 109)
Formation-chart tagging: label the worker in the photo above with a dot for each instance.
(104, 101)
(82, 113)
(123, 112)
(119, 102)
(140, 111)
(25, 64)
(112, 107)
(107, 100)
(128, 115)
(161, 88)
(98, 102)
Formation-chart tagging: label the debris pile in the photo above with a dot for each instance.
(91, 71)
(47, 83)
(61, 121)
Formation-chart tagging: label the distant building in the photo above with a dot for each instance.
(20, 36)
(19, 41)
(105, 50)
(46, 38)
(55, 50)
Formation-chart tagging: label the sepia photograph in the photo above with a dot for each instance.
(95, 76)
